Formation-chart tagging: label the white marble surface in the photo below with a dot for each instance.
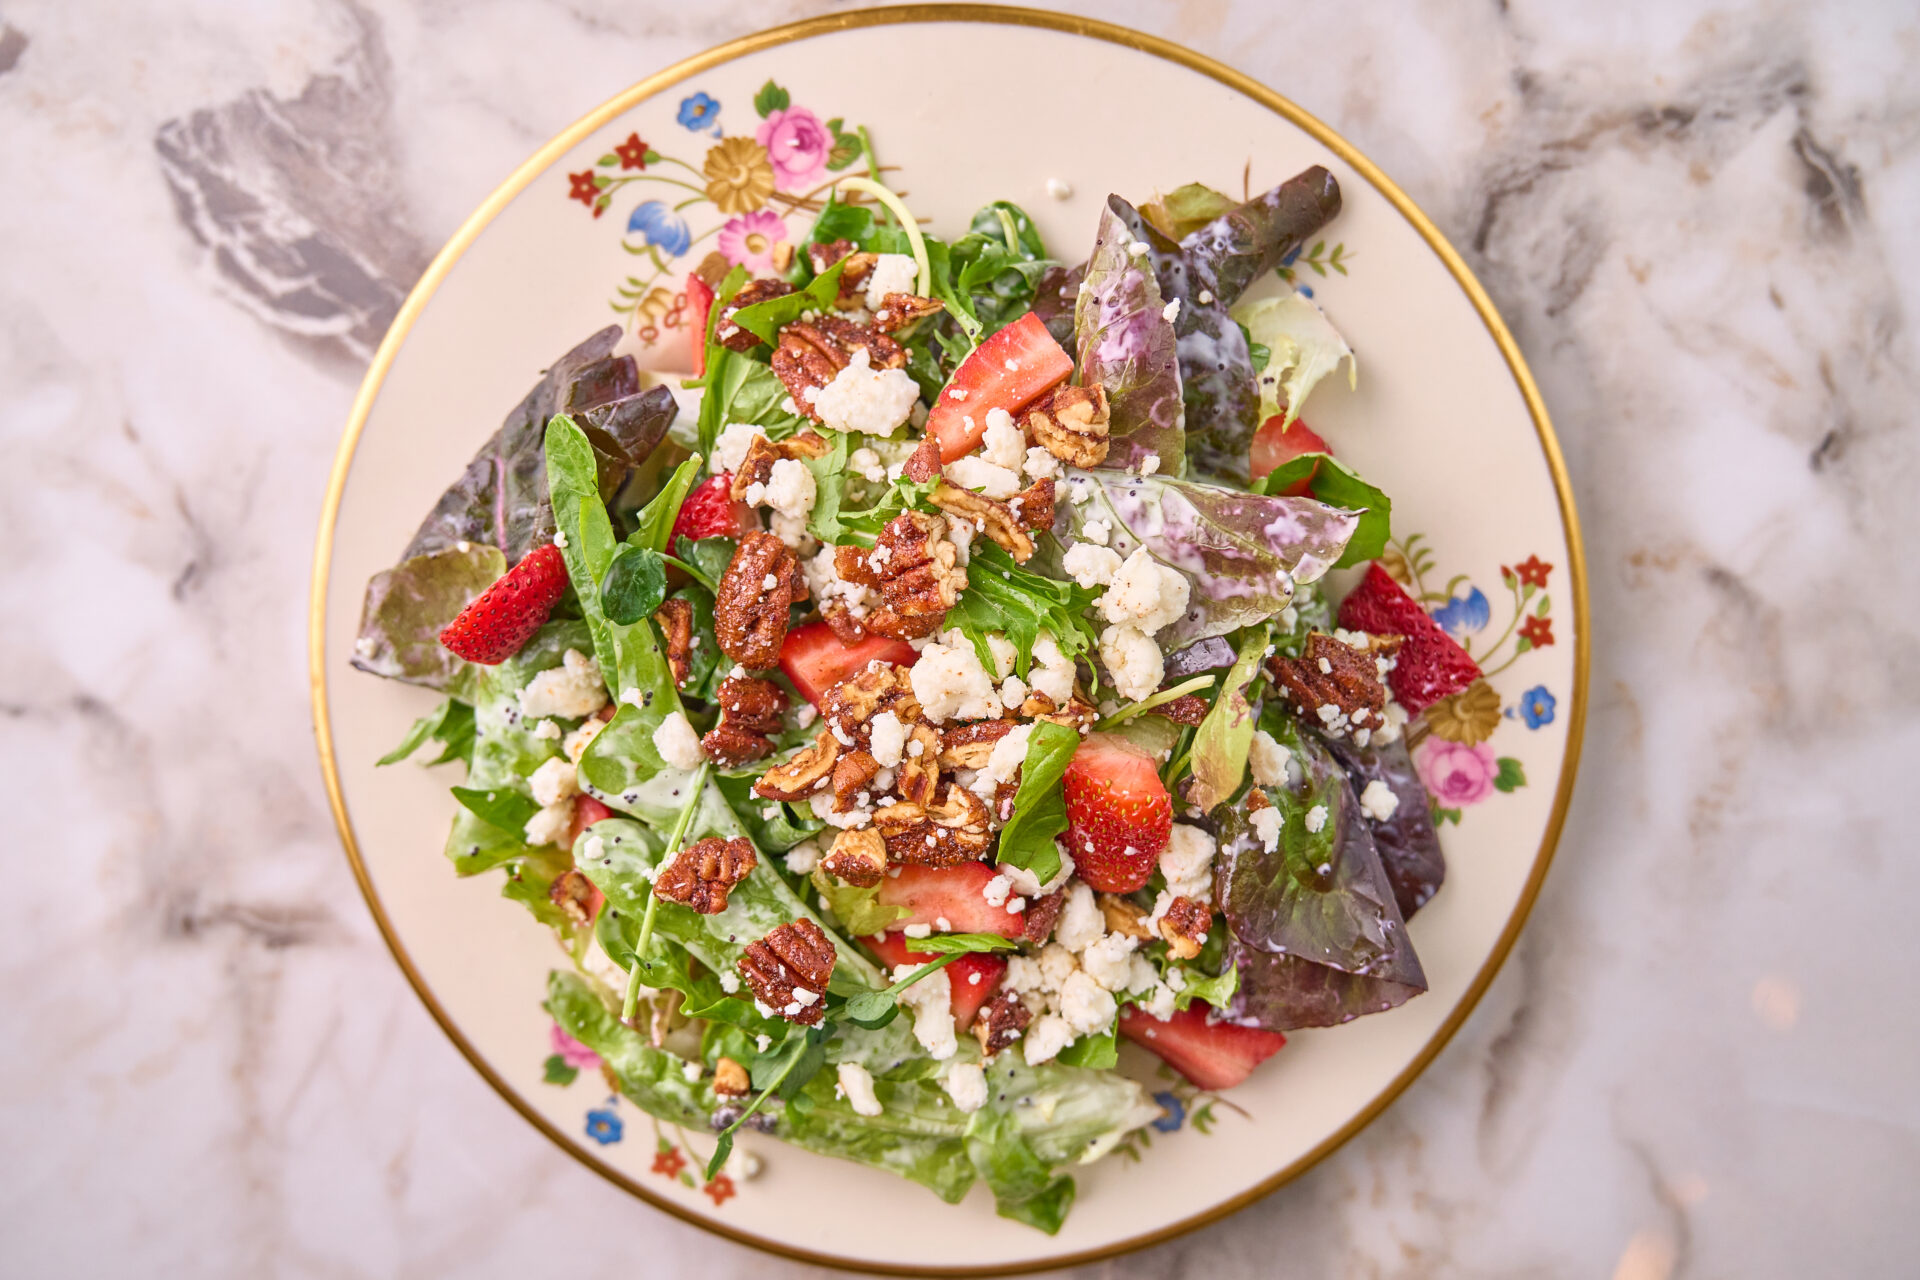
(1698, 221)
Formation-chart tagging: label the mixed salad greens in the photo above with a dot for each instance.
(1021, 728)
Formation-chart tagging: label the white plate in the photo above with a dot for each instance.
(1446, 419)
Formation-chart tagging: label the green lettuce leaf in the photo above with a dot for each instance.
(1221, 743)
(1302, 348)
(1024, 1186)
(859, 911)
(652, 1078)
(1126, 344)
(1338, 485)
(1039, 810)
(1186, 209)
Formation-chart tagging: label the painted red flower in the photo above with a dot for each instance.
(1533, 571)
(668, 1161)
(1537, 632)
(721, 1189)
(632, 152)
(585, 190)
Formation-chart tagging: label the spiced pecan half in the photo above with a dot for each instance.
(955, 830)
(1033, 506)
(850, 706)
(700, 874)
(802, 774)
(917, 572)
(851, 777)
(919, 776)
(575, 895)
(812, 352)
(731, 335)
(898, 310)
(1188, 709)
(990, 514)
(788, 970)
(1185, 928)
(730, 1079)
(730, 745)
(757, 466)
(1331, 674)
(675, 619)
(923, 465)
(1000, 1022)
(1078, 714)
(1071, 424)
(1041, 915)
(1123, 916)
(762, 582)
(858, 857)
(750, 709)
(826, 254)
(967, 746)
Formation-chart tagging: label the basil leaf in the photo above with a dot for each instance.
(1338, 485)
(1039, 809)
(500, 807)
(635, 585)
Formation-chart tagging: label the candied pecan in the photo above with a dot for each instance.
(825, 255)
(919, 775)
(918, 573)
(956, 830)
(1071, 424)
(990, 514)
(575, 895)
(812, 352)
(788, 970)
(757, 466)
(967, 746)
(1188, 709)
(700, 874)
(857, 857)
(1042, 914)
(730, 1079)
(1033, 506)
(1257, 800)
(853, 279)
(762, 582)
(1184, 926)
(731, 335)
(1004, 795)
(801, 775)
(898, 310)
(731, 745)
(1123, 916)
(856, 565)
(1078, 714)
(850, 706)
(851, 776)
(751, 703)
(675, 619)
(848, 628)
(923, 465)
(1000, 1023)
(1331, 674)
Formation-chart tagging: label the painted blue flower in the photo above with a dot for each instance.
(1464, 615)
(699, 111)
(661, 227)
(1175, 1113)
(603, 1126)
(1536, 707)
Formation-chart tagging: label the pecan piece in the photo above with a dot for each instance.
(855, 770)
(967, 746)
(898, 310)
(1331, 674)
(730, 1079)
(1000, 1023)
(731, 335)
(848, 628)
(923, 465)
(731, 745)
(1122, 916)
(675, 619)
(1033, 506)
(757, 466)
(805, 772)
(788, 970)
(990, 514)
(576, 896)
(919, 776)
(1188, 709)
(853, 279)
(753, 704)
(762, 582)
(700, 874)
(1071, 424)
(858, 857)
(917, 571)
(825, 255)
(1184, 926)
(1041, 915)
(1078, 714)
(812, 352)
(850, 706)
(957, 829)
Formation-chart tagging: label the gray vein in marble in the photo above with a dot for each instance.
(13, 43)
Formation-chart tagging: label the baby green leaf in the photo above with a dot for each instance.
(635, 584)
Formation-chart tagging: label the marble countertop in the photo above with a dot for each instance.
(1698, 221)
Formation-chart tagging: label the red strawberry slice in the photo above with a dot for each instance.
(501, 619)
(1211, 1055)
(586, 812)
(1430, 666)
(711, 512)
(932, 895)
(815, 659)
(1119, 815)
(1010, 370)
(699, 304)
(974, 976)
(1276, 443)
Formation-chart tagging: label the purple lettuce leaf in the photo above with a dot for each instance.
(1054, 296)
(1243, 552)
(408, 606)
(1241, 245)
(1314, 929)
(1408, 843)
(1126, 344)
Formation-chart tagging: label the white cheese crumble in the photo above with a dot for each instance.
(550, 825)
(677, 743)
(1109, 961)
(889, 739)
(555, 780)
(1133, 660)
(867, 463)
(856, 1086)
(1044, 1040)
(730, 447)
(1187, 862)
(1090, 565)
(1008, 755)
(1266, 825)
(1087, 1006)
(966, 1084)
(571, 690)
(995, 891)
(891, 273)
(1059, 189)
(931, 1000)
(1268, 758)
(729, 981)
(1040, 465)
(1316, 819)
(949, 682)
(973, 472)
(804, 857)
(1378, 801)
(1145, 594)
(1005, 444)
(1052, 672)
(1029, 886)
(872, 402)
(791, 489)
(546, 729)
(1149, 464)
(1171, 311)
(576, 743)
(1081, 923)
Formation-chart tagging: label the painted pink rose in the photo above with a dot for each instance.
(749, 240)
(797, 144)
(572, 1052)
(1455, 773)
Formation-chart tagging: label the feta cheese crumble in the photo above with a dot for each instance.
(891, 273)
(872, 402)
(1090, 565)
(1145, 594)
(1133, 660)
(1316, 819)
(856, 1086)
(1268, 758)
(1005, 444)
(554, 781)
(997, 482)
(949, 682)
(677, 743)
(1378, 801)
(571, 690)
(966, 1084)
(889, 739)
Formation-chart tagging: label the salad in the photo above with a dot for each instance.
(938, 689)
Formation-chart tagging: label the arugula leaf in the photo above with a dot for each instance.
(1039, 809)
(1002, 596)
(765, 319)
(1221, 743)
(832, 520)
(1338, 485)
(450, 724)
(653, 527)
(634, 586)
(500, 807)
(859, 911)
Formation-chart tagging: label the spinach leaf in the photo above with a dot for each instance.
(1338, 485)
(771, 824)
(634, 586)
(1002, 596)
(1221, 743)
(722, 364)
(501, 807)
(708, 558)
(1039, 809)
(450, 724)
(653, 527)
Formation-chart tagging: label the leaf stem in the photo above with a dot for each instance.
(908, 224)
(679, 833)
(1164, 696)
(724, 1147)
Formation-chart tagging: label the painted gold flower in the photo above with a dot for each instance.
(1468, 717)
(739, 175)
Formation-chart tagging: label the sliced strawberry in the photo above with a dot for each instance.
(711, 512)
(1119, 815)
(933, 895)
(815, 659)
(498, 621)
(1277, 443)
(974, 976)
(1010, 370)
(699, 304)
(586, 812)
(1429, 666)
(1211, 1055)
